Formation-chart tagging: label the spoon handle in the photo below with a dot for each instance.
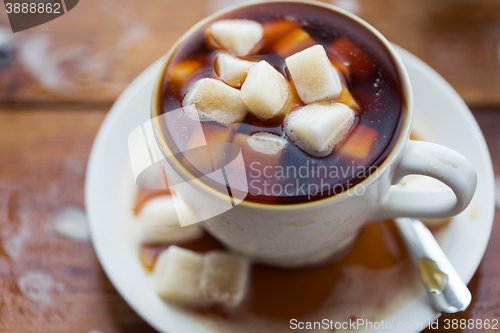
(446, 290)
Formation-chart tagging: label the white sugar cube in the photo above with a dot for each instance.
(239, 37)
(266, 143)
(177, 276)
(232, 70)
(224, 278)
(215, 101)
(265, 91)
(319, 128)
(313, 75)
(159, 223)
(184, 276)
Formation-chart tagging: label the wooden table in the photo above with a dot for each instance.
(59, 80)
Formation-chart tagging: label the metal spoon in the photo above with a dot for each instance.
(446, 290)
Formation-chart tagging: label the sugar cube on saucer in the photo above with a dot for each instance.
(232, 70)
(313, 75)
(177, 276)
(265, 91)
(215, 101)
(319, 128)
(239, 37)
(184, 276)
(159, 223)
(225, 277)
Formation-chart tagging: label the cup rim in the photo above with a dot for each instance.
(389, 160)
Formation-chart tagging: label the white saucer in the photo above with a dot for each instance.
(438, 109)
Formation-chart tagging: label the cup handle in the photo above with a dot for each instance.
(441, 163)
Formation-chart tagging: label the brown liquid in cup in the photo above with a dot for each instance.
(368, 72)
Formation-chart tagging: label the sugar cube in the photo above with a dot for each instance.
(239, 37)
(313, 75)
(186, 277)
(319, 128)
(266, 143)
(259, 151)
(177, 276)
(215, 101)
(224, 278)
(159, 223)
(265, 91)
(232, 70)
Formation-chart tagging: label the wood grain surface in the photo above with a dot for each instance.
(57, 82)
(94, 51)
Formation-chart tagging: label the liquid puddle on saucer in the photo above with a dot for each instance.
(371, 282)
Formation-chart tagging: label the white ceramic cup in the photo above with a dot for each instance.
(305, 233)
